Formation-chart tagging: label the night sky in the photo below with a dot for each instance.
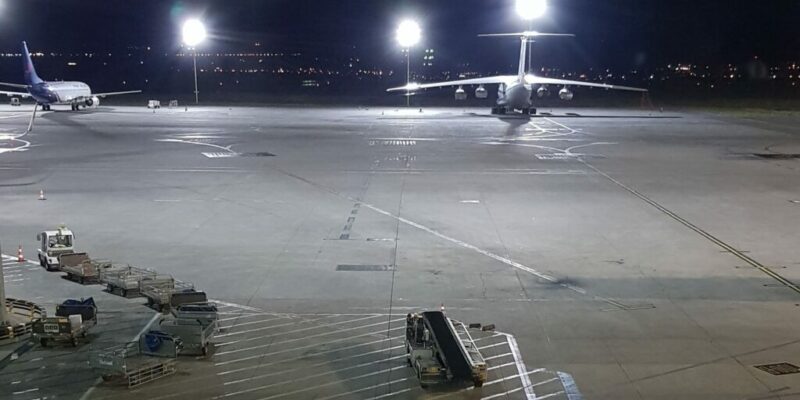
(611, 33)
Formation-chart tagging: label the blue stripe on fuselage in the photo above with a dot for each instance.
(42, 93)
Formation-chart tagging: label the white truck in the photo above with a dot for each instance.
(52, 244)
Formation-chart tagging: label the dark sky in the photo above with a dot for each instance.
(615, 33)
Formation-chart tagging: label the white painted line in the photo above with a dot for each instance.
(305, 337)
(260, 329)
(362, 365)
(26, 391)
(551, 395)
(391, 394)
(470, 202)
(290, 332)
(493, 345)
(361, 390)
(247, 323)
(297, 348)
(240, 306)
(521, 368)
(240, 314)
(307, 388)
(264, 365)
(504, 394)
(569, 386)
(497, 356)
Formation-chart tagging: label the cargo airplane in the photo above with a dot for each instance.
(515, 91)
(76, 94)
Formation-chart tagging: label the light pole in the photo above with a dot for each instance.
(194, 32)
(530, 10)
(408, 35)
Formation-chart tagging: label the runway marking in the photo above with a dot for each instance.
(233, 371)
(305, 377)
(521, 369)
(302, 338)
(282, 372)
(287, 332)
(713, 239)
(225, 149)
(505, 260)
(361, 390)
(307, 388)
(300, 348)
(247, 323)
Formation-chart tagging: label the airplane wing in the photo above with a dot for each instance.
(10, 94)
(537, 80)
(475, 81)
(14, 85)
(115, 93)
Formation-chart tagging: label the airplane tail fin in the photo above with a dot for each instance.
(525, 37)
(30, 72)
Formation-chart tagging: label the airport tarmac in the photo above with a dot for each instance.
(622, 254)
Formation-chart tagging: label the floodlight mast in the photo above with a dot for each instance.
(408, 35)
(194, 33)
(530, 10)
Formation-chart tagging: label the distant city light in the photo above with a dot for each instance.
(531, 9)
(194, 32)
(408, 33)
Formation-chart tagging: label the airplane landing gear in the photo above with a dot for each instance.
(74, 107)
(45, 107)
(498, 111)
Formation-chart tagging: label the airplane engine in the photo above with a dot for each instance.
(93, 102)
(481, 92)
(565, 94)
(542, 92)
(461, 94)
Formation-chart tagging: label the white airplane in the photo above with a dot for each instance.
(515, 91)
(76, 94)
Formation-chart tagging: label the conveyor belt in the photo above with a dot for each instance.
(448, 344)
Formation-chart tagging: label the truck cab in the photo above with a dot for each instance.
(53, 244)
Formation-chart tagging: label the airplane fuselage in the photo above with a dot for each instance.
(47, 93)
(516, 96)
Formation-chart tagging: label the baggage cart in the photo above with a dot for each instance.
(72, 322)
(125, 282)
(136, 363)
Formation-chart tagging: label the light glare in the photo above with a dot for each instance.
(408, 33)
(193, 32)
(531, 9)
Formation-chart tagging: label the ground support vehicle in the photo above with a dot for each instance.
(52, 244)
(441, 350)
(72, 322)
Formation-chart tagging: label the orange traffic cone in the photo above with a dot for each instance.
(20, 256)
(41, 195)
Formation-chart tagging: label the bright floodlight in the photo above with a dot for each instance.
(193, 32)
(408, 34)
(531, 9)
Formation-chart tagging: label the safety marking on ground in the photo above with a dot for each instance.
(338, 356)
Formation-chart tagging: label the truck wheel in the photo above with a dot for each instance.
(43, 342)
(74, 342)
(107, 378)
(477, 382)
(124, 292)
(205, 350)
(41, 261)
